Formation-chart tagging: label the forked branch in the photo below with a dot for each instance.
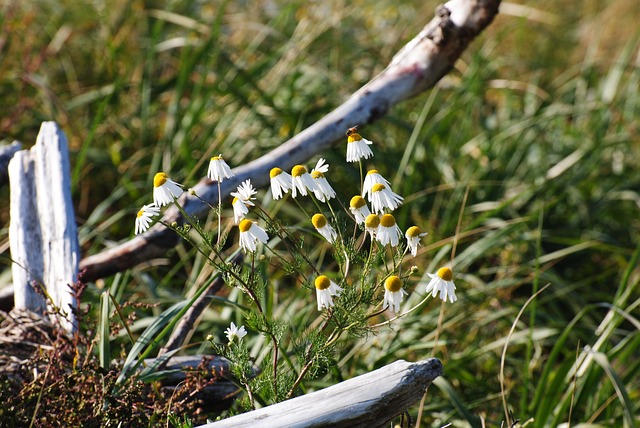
(418, 66)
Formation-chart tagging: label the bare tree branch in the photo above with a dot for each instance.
(419, 65)
(188, 322)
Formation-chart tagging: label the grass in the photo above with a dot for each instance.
(533, 138)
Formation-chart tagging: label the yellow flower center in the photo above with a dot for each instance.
(357, 202)
(245, 225)
(373, 171)
(319, 221)
(140, 213)
(445, 273)
(372, 221)
(393, 284)
(234, 201)
(354, 137)
(316, 174)
(159, 179)
(387, 220)
(413, 232)
(322, 282)
(275, 172)
(378, 187)
(217, 158)
(298, 170)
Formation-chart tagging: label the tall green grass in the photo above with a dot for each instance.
(533, 138)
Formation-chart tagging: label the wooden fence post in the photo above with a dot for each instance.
(42, 230)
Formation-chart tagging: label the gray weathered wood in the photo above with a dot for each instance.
(42, 230)
(371, 400)
(25, 238)
(416, 67)
(175, 369)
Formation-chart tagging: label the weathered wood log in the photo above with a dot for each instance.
(42, 230)
(417, 67)
(217, 396)
(6, 153)
(370, 400)
(174, 370)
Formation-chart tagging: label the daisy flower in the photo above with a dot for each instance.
(382, 197)
(388, 231)
(239, 210)
(393, 293)
(323, 227)
(359, 209)
(234, 333)
(372, 177)
(371, 224)
(323, 189)
(325, 288)
(250, 234)
(413, 236)
(357, 147)
(245, 192)
(442, 282)
(301, 180)
(242, 199)
(218, 169)
(165, 190)
(281, 182)
(143, 218)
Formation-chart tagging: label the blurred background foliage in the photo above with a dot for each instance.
(534, 135)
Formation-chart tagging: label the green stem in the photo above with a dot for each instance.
(288, 235)
(309, 360)
(219, 213)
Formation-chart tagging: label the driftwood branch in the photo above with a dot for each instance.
(188, 322)
(370, 400)
(218, 395)
(415, 68)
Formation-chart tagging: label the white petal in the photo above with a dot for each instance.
(259, 233)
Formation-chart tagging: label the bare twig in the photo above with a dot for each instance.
(188, 321)
(419, 65)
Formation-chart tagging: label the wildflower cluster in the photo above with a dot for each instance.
(350, 287)
(378, 221)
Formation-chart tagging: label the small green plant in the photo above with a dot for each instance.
(177, 422)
